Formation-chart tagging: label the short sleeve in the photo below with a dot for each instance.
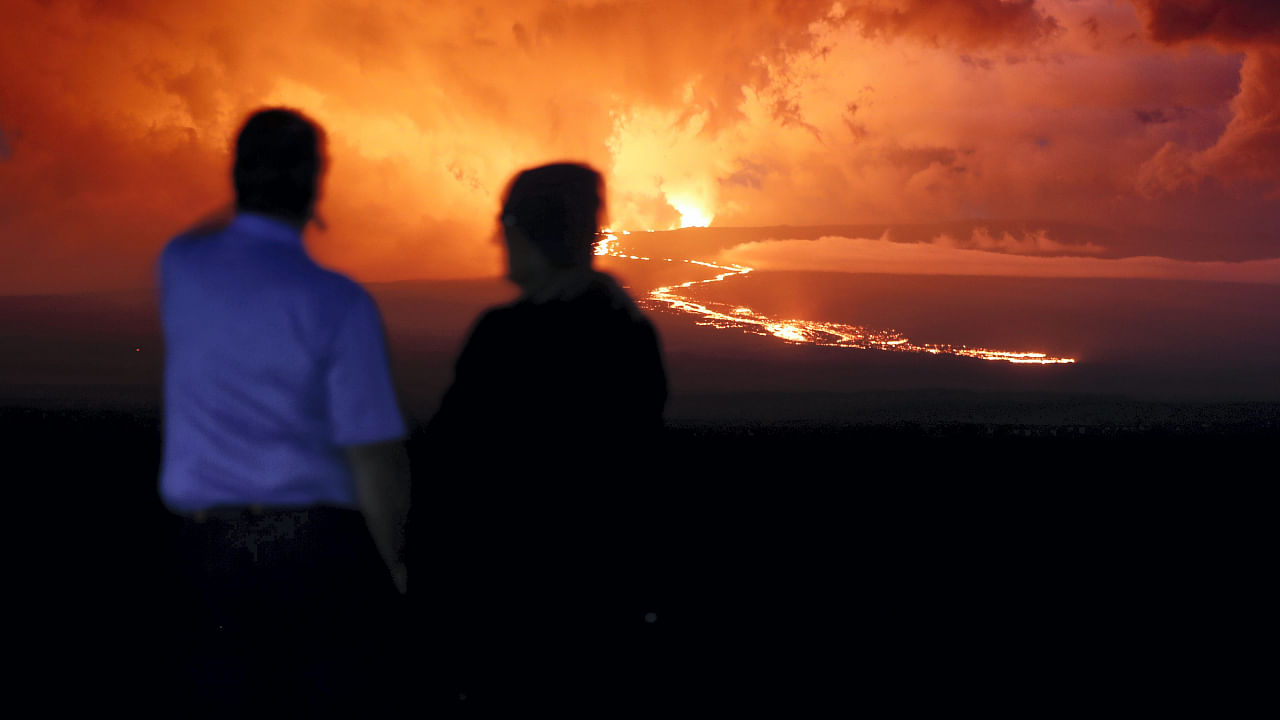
(362, 400)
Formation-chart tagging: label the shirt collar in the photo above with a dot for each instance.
(265, 227)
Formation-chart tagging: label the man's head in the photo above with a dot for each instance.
(553, 210)
(279, 158)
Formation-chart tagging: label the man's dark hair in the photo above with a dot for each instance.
(558, 207)
(279, 154)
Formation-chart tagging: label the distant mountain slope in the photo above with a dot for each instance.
(1113, 242)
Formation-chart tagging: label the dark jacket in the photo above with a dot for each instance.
(531, 516)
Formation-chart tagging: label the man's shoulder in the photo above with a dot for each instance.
(188, 239)
(208, 228)
(183, 251)
(495, 322)
(339, 285)
(346, 301)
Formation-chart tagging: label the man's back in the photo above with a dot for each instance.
(271, 368)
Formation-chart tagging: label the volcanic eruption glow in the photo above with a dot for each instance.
(1135, 129)
(691, 213)
(736, 316)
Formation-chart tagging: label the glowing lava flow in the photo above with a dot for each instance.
(724, 316)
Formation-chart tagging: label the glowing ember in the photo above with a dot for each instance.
(786, 332)
(607, 244)
(724, 316)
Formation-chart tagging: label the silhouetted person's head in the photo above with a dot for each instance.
(550, 218)
(279, 158)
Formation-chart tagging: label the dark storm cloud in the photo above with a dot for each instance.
(1228, 21)
(967, 23)
(1249, 148)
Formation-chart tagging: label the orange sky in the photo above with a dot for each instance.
(1156, 115)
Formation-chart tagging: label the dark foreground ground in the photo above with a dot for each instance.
(1005, 567)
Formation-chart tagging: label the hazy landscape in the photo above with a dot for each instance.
(816, 498)
(1134, 339)
(970, 312)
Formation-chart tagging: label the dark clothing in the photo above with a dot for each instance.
(295, 609)
(588, 368)
(527, 543)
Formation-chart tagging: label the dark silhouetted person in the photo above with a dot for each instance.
(530, 540)
(282, 443)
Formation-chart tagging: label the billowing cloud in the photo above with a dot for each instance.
(967, 23)
(127, 110)
(1035, 242)
(1249, 147)
(1231, 21)
(118, 117)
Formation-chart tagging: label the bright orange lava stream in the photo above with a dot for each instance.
(723, 316)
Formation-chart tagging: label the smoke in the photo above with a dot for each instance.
(725, 112)
(127, 111)
(1229, 21)
(1249, 147)
(967, 23)
(1035, 242)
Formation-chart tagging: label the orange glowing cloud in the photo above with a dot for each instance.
(116, 119)
(1249, 147)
